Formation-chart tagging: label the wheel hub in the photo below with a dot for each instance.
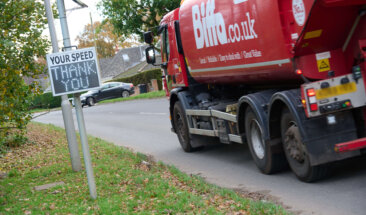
(180, 129)
(256, 138)
(125, 94)
(293, 144)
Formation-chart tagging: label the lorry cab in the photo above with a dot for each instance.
(172, 51)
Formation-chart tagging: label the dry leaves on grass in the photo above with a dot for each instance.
(144, 166)
(220, 202)
(40, 140)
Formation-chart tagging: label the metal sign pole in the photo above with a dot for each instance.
(63, 22)
(84, 143)
(78, 108)
(65, 104)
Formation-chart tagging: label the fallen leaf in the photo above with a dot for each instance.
(56, 191)
(52, 206)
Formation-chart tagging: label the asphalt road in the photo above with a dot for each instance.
(144, 126)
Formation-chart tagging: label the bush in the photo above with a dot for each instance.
(13, 138)
(143, 78)
(46, 100)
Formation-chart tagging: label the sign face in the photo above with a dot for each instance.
(73, 71)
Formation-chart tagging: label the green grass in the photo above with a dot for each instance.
(38, 110)
(150, 95)
(125, 185)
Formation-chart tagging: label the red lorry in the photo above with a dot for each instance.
(286, 77)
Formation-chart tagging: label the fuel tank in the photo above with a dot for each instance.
(261, 41)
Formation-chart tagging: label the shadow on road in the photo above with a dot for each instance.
(237, 153)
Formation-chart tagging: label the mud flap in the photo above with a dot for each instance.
(318, 136)
(321, 138)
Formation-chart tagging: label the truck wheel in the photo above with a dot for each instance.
(90, 101)
(266, 161)
(296, 153)
(181, 127)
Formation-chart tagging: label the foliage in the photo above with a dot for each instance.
(21, 43)
(127, 183)
(105, 40)
(143, 78)
(135, 17)
(46, 100)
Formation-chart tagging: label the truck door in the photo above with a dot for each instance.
(165, 53)
(176, 63)
(170, 55)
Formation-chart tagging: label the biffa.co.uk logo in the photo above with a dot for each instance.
(210, 27)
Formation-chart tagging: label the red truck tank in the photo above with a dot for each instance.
(284, 76)
(253, 41)
(236, 41)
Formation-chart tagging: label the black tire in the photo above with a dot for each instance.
(266, 161)
(90, 101)
(125, 94)
(181, 128)
(296, 152)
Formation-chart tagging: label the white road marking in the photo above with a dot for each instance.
(148, 113)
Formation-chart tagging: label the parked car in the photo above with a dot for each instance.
(107, 91)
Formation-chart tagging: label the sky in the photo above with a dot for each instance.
(77, 19)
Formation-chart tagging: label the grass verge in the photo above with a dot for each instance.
(39, 110)
(127, 183)
(150, 95)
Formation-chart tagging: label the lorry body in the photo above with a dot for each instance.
(286, 77)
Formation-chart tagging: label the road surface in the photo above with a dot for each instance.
(144, 126)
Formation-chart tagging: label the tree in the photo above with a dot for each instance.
(21, 43)
(106, 41)
(135, 17)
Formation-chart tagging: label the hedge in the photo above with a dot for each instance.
(46, 100)
(143, 78)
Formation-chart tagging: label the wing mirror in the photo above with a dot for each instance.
(150, 55)
(148, 37)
